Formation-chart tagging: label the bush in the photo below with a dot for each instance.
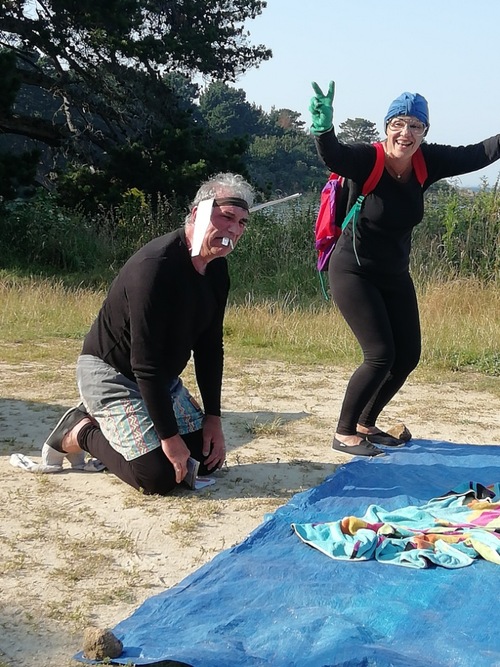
(137, 220)
(41, 233)
(276, 255)
(458, 238)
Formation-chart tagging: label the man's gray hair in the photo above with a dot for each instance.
(224, 185)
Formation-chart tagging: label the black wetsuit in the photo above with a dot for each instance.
(158, 311)
(374, 290)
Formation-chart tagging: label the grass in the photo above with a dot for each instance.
(461, 323)
(42, 324)
(271, 427)
(460, 327)
(36, 310)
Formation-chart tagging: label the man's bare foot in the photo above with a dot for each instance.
(69, 442)
(64, 427)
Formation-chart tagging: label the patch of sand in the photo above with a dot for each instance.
(83, 549)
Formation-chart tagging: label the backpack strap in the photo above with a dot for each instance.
(377, 171)
(419, 166)
(418, 163)
(369, 185)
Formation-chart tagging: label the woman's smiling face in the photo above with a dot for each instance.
(404, 136)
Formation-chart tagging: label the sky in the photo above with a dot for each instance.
(446, 50)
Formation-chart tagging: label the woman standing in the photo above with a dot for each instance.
(369, 267)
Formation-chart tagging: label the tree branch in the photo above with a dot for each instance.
(34, 128)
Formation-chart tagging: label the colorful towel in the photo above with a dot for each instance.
(450, 531)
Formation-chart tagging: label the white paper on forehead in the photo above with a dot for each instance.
(201, 222)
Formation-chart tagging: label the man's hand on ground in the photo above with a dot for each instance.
(177, 453)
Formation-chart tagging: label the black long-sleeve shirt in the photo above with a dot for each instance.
(158, 311)
(389, 213)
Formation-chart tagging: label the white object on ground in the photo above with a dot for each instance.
(53, 464)
(202, 482)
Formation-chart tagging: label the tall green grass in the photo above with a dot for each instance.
(460, 324)
(458, 238)
(57, 265)
(40, 237)
(275, 258)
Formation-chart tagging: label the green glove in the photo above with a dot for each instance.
(321, 108)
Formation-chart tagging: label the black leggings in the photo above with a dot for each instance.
(151, 473)
(382, 312)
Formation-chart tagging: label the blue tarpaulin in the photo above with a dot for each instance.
(273, 600)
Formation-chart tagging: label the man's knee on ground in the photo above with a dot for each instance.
(153, 473)
(159, 481)
(158, 487)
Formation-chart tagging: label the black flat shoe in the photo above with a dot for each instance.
(383, 439)
(364, 448)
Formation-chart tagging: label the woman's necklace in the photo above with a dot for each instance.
(402, 174)
(399, 175)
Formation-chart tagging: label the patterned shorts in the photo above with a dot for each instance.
(116, 403)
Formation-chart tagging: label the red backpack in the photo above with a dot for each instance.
(332, 215)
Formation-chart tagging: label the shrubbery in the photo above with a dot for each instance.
(459, 238)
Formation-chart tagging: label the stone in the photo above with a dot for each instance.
(399, 431)
(100, 644)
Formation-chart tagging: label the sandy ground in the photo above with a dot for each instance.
(83, 549)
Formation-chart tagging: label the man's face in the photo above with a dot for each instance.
(227, 224)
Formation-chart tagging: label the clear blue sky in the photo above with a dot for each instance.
(447, 50)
